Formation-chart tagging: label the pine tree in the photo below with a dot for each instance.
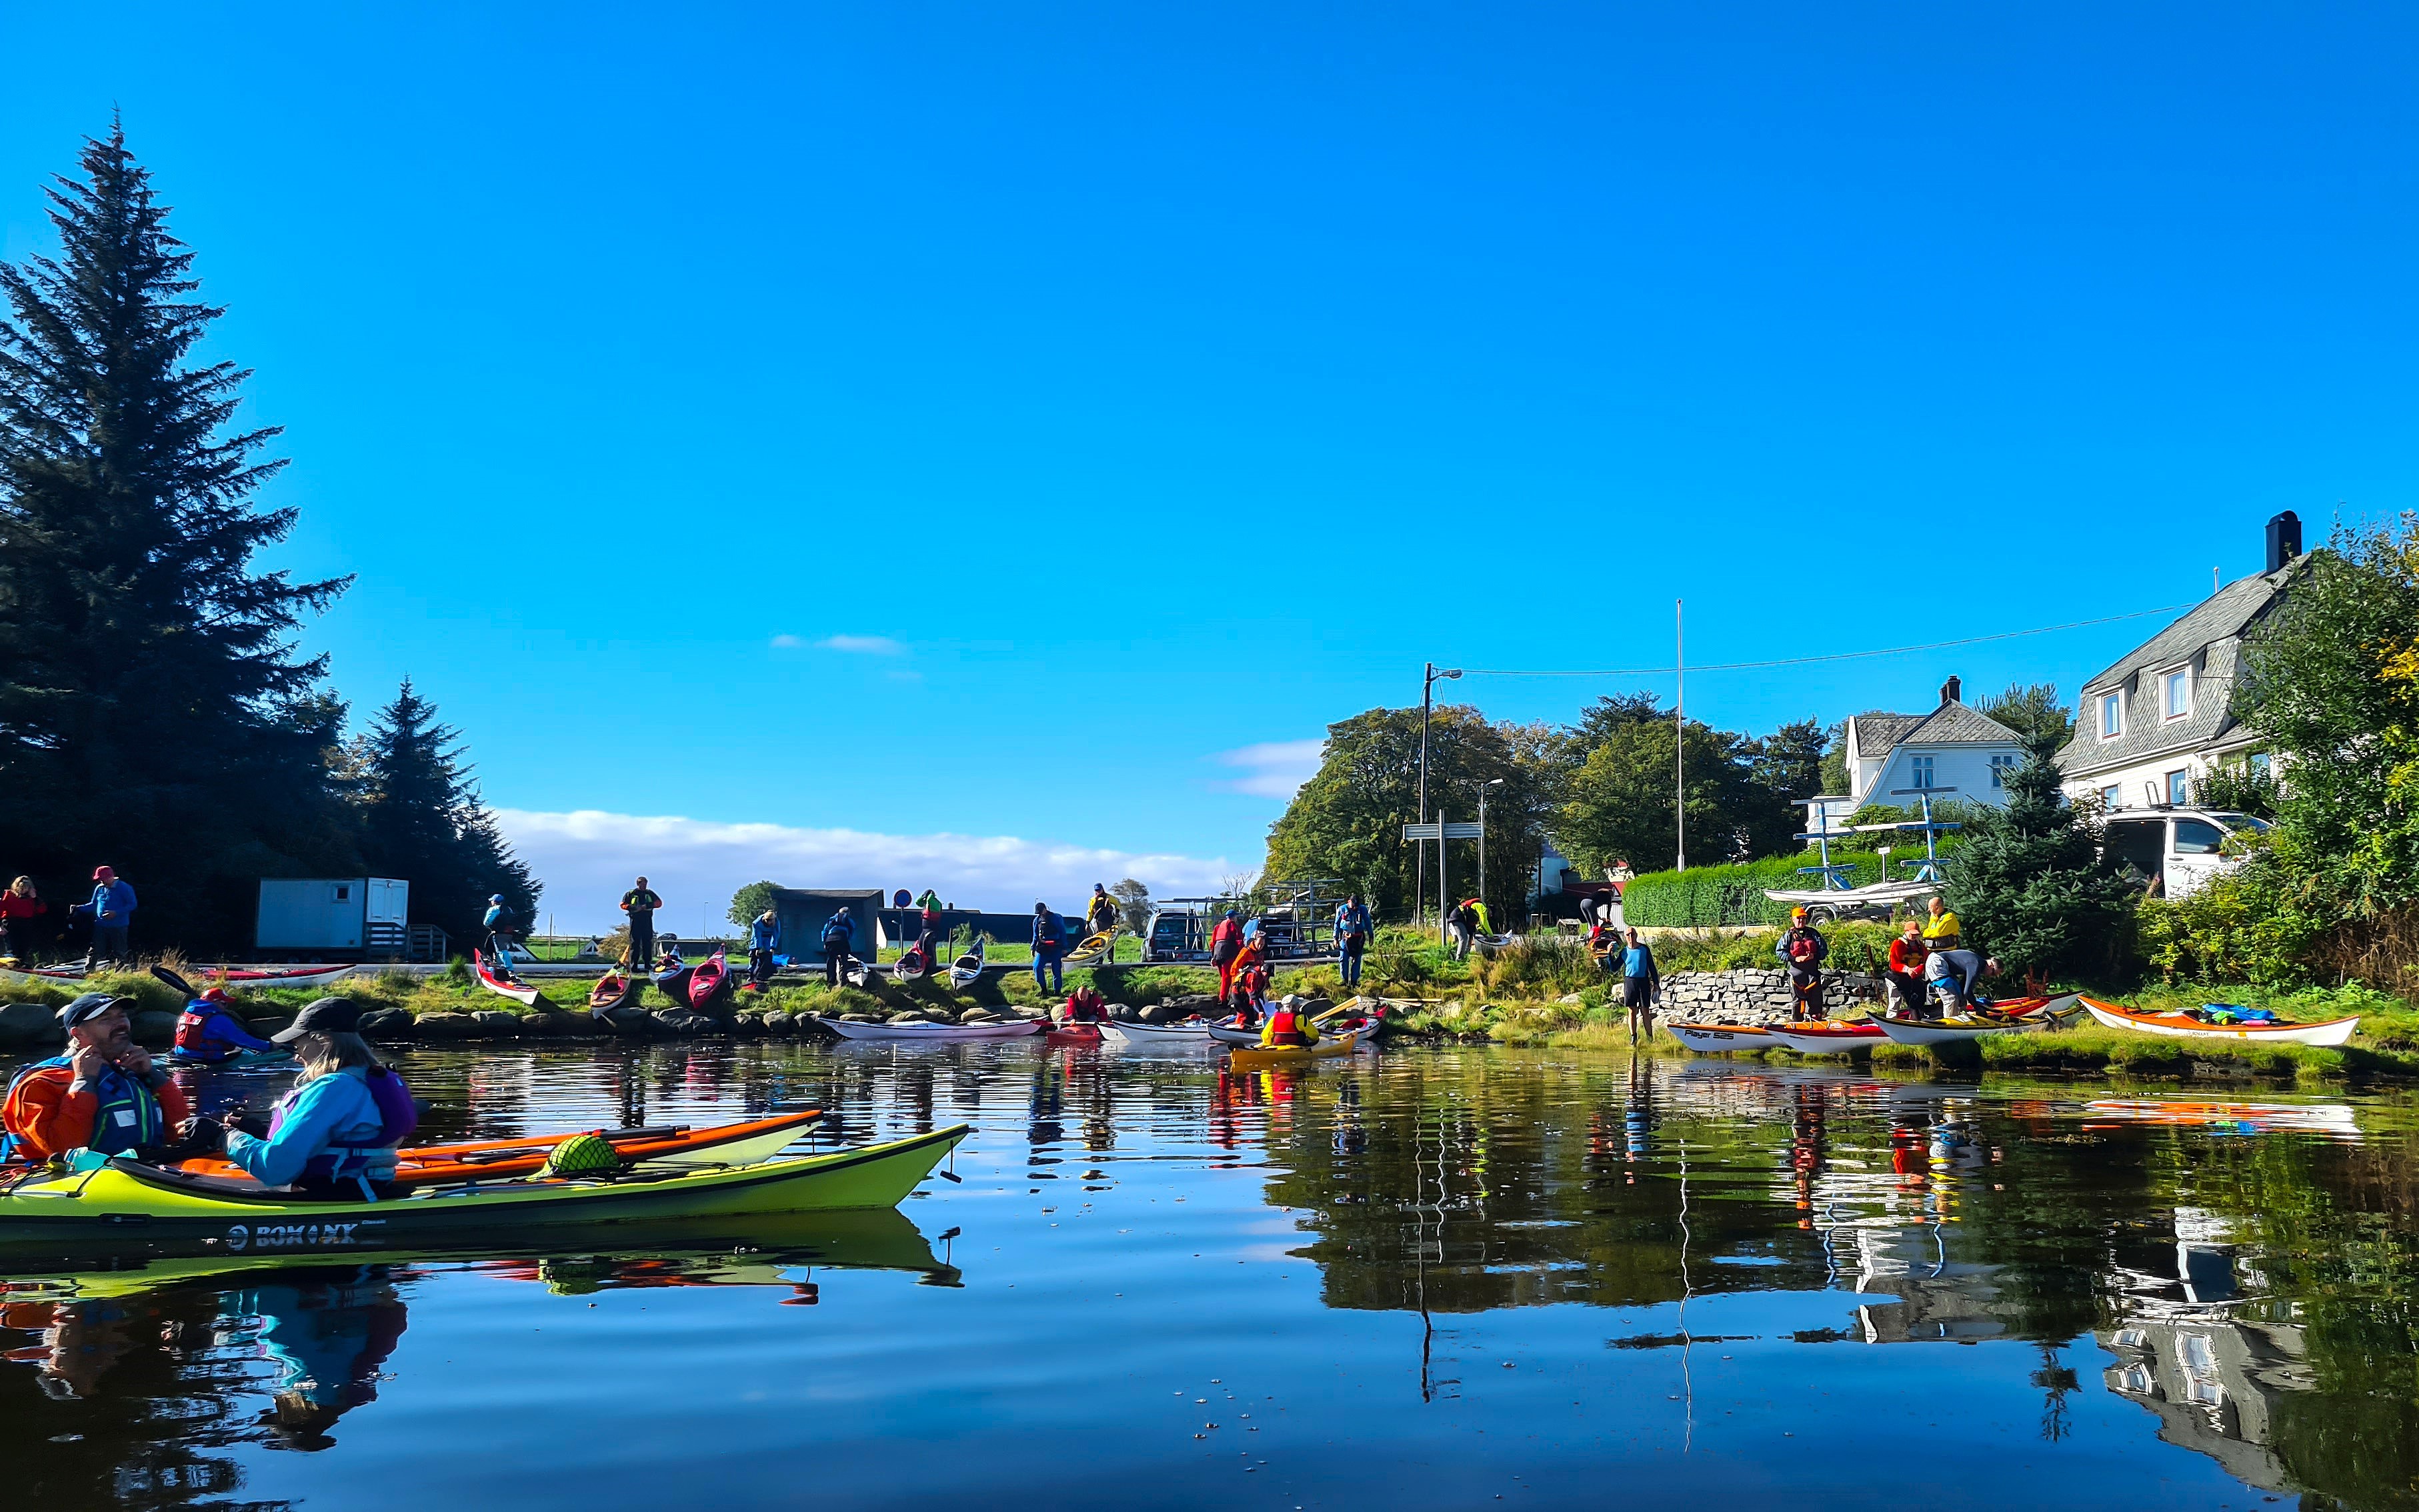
(2031, 889)
(422, 821)
(153, 712)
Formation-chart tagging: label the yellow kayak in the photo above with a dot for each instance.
(1251, 1058)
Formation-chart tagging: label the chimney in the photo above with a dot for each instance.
(1949, 689)
(2283, 539)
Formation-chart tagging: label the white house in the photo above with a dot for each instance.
(1955, 751)
(2161, 716)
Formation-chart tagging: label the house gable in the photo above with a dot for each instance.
(2172, 695)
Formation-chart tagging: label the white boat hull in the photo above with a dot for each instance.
(1719, 1039)
(1127, 1031)
(934, 1033)
(2332, 1032)
(1825, 1044)
(519, 992)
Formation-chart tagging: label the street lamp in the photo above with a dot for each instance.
(1427, 690)
(1490, 782)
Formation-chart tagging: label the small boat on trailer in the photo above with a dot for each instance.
(501, 982)
(2186, 1026)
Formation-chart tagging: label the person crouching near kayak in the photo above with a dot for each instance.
(208, 1032)
(1288, 1025)
(104, 1094)
(335, 1134)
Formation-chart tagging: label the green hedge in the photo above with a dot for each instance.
(1708, 895)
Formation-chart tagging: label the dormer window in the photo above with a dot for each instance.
(2175, 693)
(2112, 716)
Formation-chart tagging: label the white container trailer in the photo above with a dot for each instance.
(359, 916)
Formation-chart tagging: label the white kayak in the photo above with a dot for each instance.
(231, 975)
(1717, 1039)
(933, 1033)
(2183, 1026)
(2011, 1018)
(1191, 1032)
(967, 969)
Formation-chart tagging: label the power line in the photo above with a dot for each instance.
(1801, 661)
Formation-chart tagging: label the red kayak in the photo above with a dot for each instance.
(709, 981)
(1075, 1034)
(615, 989)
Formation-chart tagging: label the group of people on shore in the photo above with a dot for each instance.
(109, 911)
(1928, 971)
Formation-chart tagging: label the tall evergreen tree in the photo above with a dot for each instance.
(153, 712)
(2031, 887)
(422, 821)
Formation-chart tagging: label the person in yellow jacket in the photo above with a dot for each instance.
(1940, 931)
(1289, 1026)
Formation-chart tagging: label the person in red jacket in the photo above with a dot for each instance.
(19, 902)
(1906, 955)
(1226, 944)
(104, 1094)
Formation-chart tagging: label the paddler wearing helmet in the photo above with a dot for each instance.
(208, 1032)
(1288, 1025)
(105, 1094)
(1802, 950)
(335, 1132)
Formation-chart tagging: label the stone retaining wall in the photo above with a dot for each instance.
(1754, 996)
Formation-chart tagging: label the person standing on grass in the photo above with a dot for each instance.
(1642, 984)
(19, 906)
(640, 903)
(1802, 950)
(1049, 946)
(839, 941)
(113, 911)
(1100, 913)
(1226, 944)
(1352, 931)
(763, 939)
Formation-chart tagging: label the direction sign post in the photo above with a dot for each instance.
(1441, 831)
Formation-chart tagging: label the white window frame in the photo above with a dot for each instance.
(2167, 785)
(2112, 702)
(2112, 797)
(2167, 683)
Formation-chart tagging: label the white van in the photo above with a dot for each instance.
(2179, 849)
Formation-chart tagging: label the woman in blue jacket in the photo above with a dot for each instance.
(338, 1128)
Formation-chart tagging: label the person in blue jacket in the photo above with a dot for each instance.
(208, 1032)
(1049, 946)
(336, 1131)
(839, 942)
(112, 912)
(1352, 931)
(764, 939)
(498, 925)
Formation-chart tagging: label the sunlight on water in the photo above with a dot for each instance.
(1425, 1280)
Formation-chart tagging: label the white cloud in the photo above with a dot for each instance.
(1276, 767)
(863, 645)
(588, 858)
(787, 642)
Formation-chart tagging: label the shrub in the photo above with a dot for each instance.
(1539, 965)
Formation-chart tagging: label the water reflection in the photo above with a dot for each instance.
(2241, 1271)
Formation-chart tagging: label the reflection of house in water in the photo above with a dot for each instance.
(2212, 1379)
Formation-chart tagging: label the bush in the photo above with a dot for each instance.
(1705, 896)
(1539, 965)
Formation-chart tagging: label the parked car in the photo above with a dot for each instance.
(2175, 850)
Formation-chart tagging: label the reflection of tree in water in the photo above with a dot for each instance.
(2056, 1380)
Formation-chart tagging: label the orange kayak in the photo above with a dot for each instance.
(492, 1160)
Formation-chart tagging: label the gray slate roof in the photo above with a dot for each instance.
(1957, 724)
(1877, 733)
(2209, 638)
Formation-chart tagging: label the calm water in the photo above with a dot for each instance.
(1433, 1280)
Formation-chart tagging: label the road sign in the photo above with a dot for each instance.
(1454, 831)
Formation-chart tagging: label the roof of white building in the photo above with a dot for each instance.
(2211, 635)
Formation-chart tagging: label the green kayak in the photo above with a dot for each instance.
(127, 1208)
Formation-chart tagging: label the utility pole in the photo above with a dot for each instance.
(1427, 689)
(1490, 782)
(1680, 730)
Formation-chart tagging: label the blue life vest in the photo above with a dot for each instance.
(130, 1116)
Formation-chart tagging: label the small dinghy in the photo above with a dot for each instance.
(709, 981)
(498, 978)
(2204, 1023)
(967, 969)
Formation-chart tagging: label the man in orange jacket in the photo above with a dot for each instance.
(104, 1094)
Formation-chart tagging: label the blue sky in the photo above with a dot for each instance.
(883, 426)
